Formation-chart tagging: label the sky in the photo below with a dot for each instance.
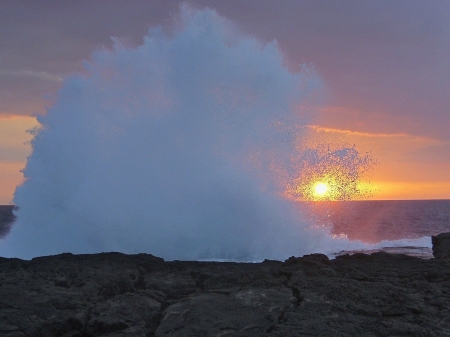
(384, 66)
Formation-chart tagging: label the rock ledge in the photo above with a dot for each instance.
(113, 294)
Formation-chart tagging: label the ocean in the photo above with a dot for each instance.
(372, 222)
(378, 221)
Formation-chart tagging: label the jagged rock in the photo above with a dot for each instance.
(441, 246)
(114, 294)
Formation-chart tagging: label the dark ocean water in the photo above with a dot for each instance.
(377, 220)
(366, 221)
(385, 220)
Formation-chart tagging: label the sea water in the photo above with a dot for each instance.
(382, 221)
(373, 222)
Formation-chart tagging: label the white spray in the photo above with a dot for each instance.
(173, 148)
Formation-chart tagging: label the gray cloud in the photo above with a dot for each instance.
(374, 56)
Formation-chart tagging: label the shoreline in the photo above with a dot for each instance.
(114, 294)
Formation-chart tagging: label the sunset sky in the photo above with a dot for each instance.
(385, 68)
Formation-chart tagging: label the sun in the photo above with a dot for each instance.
(330, 173)
(320, 189)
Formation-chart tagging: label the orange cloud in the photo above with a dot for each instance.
(10, 177)
(399, 190)
(14, 148)
(368, 121)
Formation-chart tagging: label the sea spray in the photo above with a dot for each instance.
(171, 148)
(181, 147)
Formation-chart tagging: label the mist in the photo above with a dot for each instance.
(180, 147)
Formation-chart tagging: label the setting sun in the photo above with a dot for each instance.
(320, 189)
(330, 172)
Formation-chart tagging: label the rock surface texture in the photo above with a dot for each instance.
(113, 294)
(441, 246)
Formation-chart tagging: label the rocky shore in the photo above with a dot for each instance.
(113, 294)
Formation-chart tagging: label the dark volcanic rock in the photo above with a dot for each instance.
(113, 294)
(441, 246)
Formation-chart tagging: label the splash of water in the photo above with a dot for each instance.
(168, 148)
(329, 172)
(181, 148)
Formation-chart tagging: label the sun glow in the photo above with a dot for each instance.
(331, 173)
(320, 189)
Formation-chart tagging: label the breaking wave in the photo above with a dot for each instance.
(180, 148)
